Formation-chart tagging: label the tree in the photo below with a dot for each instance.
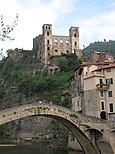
(5, 31)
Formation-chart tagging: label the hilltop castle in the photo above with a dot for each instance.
(48, 45)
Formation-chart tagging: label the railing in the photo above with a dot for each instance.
(102, 86)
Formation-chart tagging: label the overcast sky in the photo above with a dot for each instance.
(95, 19)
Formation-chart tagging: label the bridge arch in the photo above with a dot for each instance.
(68, 118)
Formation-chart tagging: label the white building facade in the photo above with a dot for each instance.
(94, 90)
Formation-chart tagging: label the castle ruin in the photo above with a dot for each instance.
(48, 45)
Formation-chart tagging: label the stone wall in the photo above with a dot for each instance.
(91, 104)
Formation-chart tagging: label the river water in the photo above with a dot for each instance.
(34, 149)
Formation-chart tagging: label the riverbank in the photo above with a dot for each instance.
(5, 145)
(52, 143)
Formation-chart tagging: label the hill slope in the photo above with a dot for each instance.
(108, 47)
(24, 79)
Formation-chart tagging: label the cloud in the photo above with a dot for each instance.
(113, 4)
(32, 15)
(62, 6)
(98, 28)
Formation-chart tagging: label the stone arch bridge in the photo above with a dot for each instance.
(91, 133)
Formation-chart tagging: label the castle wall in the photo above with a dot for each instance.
(60, 45)
(48, 45)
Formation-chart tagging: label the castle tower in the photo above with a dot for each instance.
(47, 41)
(74, 39)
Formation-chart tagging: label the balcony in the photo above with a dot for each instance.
(102, 87)
(94, 74)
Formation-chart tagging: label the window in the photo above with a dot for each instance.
(109, 93)
(78, 103)
(100, 81)
(48, 41)
(61, 41)
(75, 35)
(56, 50)
(67, 42)
(48, 33)
(101, 93)
(67, 51)
(55, 41)
(48, 48)
(109, 81)
(102, 105)
(56, 69)
(75, 43)
(108, 70)
(111, 107)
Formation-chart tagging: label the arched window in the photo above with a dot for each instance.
(103, 115)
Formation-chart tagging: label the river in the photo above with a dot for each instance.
(34, 149)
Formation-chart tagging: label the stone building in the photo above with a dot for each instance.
(93, 90)
(48, 45)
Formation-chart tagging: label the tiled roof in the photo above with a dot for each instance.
(94, 63)
(105, 67)
(88, 63)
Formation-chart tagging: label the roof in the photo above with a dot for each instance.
(88, 63)
(105, 67)
(94, 63)
(101, 64)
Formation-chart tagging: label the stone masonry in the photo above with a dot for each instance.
(83, 128)
(48, 45)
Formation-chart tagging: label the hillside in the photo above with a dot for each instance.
(108, 47)
(24, 79)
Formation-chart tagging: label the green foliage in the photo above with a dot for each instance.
(49, 87)
(55, 126)
(108, 47)
(68, 62)
(3, 130)
(1, 94)
(66, 102)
